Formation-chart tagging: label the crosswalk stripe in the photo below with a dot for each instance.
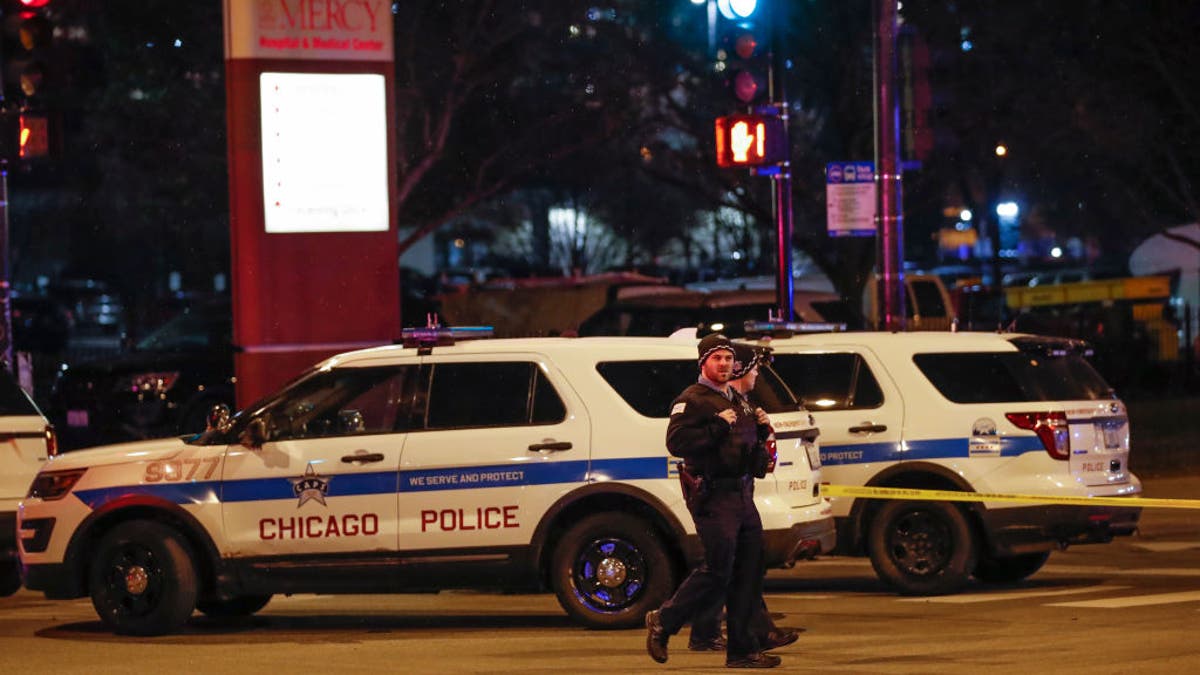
(1133, 601)
(1165, 546)
(994, 596)
(1139, 572)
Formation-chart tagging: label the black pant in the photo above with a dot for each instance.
(731, 531)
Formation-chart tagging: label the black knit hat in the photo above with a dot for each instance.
(745, 358)
(711, 343)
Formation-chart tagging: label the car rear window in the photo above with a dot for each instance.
(13, 400)
(1002, 377)
(650, 386)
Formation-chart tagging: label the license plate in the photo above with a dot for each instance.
(77, 418)
(1113, 435)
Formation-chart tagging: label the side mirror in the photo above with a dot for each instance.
(220, 418)
(256, 433)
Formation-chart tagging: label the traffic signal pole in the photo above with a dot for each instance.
(781, 182)
(889, 212)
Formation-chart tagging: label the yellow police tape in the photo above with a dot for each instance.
(956, 496)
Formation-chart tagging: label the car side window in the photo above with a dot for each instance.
(836, 381)
(928, 298)
(493, 394)
(343, 402)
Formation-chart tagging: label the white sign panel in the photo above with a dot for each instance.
(850, 199)
(324, 152)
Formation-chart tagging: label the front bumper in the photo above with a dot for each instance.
(1030, 529)
(782, 548)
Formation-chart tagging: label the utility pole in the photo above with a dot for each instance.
(781, 182)
(889, 190)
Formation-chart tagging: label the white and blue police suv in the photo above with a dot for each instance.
(485, 464)
(977, 412)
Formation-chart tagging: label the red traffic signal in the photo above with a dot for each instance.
(749, 140)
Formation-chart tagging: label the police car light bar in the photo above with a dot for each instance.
(781, 329)
(443, 336)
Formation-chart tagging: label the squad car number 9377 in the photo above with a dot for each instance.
(184, 469)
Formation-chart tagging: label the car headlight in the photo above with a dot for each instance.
(147, 383)
(51, 485)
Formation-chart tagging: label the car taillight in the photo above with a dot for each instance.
(51, 442)
(1050, 427)
(51, 485)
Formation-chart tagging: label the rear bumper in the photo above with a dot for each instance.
(782, 548)
(1030, 529)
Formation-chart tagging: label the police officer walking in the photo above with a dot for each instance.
(717, 439)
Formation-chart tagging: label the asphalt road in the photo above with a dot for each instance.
(1126, 607)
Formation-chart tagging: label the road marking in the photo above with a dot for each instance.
(1133, 601)
(993, 596)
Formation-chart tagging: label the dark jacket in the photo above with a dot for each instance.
(709, 445)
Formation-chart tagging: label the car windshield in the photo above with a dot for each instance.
(193, 329)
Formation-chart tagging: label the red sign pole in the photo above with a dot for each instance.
(309, 101)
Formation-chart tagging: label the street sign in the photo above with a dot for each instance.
(850, 199)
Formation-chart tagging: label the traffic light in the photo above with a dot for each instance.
(28, 38)
(33, 136)
(744, 58)
(750, 140)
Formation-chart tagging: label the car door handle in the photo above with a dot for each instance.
(868, 428)
(553, 446)
(364, 457)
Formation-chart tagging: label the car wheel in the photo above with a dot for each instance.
(241, 605)
(609, 569)
(1006, 569)
(10, 578)
(922, 548)
(142, 579)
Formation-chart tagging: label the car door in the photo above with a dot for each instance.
(324, 479)
(856, 405)
(501, 439)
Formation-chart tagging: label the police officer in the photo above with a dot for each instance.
(717, 438)
(706, 627)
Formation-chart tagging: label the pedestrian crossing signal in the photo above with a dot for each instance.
(749, 140)
(33, 138)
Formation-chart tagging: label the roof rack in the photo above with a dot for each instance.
(783, 329)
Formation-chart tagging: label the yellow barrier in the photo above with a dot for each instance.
(956, 496)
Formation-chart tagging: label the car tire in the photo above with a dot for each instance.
(235, 607)
(1007, 569)
(609, 569)
(142, 579)
(922, 548)
(10, 578)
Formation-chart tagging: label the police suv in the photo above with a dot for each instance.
(975, 412)
(487, 463)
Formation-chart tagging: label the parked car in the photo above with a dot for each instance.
(26, 440)
(512, 464)
(726, 311)
(40, 324)
(166, 384)
(96, 307)
(997, 413)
